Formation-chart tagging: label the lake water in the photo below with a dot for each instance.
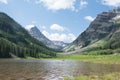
(11, 69)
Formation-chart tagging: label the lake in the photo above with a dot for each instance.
(11, 69)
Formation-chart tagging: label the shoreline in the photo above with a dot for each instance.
(103, 59)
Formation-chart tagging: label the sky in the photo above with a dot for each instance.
(59, 20)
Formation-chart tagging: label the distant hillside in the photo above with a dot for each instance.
(35, 32)
(15, 40)
(103, 33)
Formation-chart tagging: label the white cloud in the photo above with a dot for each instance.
(28, 27)
(64, 35)
(43, 27)
(113, 3)
(89, 18)
(4, 1)
(57, 27)
(60, 37)
(83, 3)
(55, 5)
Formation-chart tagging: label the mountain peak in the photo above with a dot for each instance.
(103, 26)
(29, 27)
(36, 33)
(14, 36)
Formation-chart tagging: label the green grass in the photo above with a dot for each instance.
(112, 76)
(112, 59)
(105, 59)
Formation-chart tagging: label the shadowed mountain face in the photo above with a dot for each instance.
(106, 25)
(35, 32)
(15, 40)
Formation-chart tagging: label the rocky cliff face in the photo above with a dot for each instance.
(35, 32)
(60, 43)
(103, 26)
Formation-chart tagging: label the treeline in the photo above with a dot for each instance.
(8, 48)
(16, 41)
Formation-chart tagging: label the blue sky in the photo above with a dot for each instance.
(62, 20)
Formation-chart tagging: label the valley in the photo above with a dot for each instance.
(39, 52)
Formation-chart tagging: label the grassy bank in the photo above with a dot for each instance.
(112, 76)
(107, 59)
(113, 59)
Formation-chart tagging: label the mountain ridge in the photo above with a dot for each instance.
(102, 28)
(16, 40)
(36, 33)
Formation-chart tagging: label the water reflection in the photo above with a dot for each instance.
(50, 69)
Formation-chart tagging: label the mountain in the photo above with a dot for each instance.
(36, 33)
(105, 28)
(60, 43)
(15, 40)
